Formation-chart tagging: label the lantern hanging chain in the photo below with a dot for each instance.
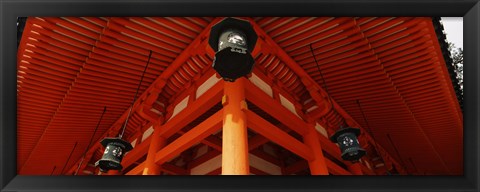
(69, 156)
(53, 170)
(414, 166)
(398, 154)
(326, 90)
(370, 131)
(91, 139)
(135, 96)
(368, 126)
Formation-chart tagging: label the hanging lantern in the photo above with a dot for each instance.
(233, 41)
(115, 149)
(348, 142)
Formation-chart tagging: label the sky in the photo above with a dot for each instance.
(453, 28)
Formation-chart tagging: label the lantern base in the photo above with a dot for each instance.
(106, 165)
(353, 154)
(233, 63)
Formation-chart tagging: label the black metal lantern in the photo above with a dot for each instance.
(233, 41)
(115, 149)
(348, 142)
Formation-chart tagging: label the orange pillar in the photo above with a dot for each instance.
(355, 169)
(317, 165)
(113, 172)
(234, 141)
(156, 143)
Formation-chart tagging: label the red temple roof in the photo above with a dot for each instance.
(70, 68)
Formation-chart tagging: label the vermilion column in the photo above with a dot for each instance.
(113, 172)
(317, 165)
(355, 169)
(234, 140)
(157, 142)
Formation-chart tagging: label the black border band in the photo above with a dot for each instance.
(9, 10)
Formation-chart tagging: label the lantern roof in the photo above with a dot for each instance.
(116, 141)
(344, 130)
(233, 23)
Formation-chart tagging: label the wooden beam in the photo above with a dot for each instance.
(296, 167)
(193, 110)
(265, 156)
(273, 133)
(330, 147)
(137, 170)
(139, 151)
(256, 141)
(335, 169)
(215, 172)
(317, 165)
(167, 167)
(204, 158)
(259, 140)
(173, 169)
(256, 171)
(211, 141)
(198, 133)
(318, 112)
(274, 108)
(156, 143)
